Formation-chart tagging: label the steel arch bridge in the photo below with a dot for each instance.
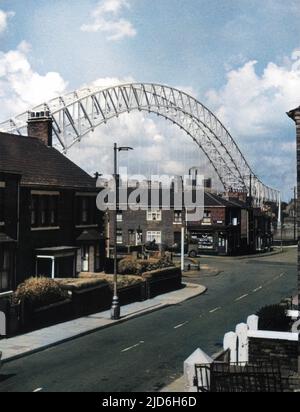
(79, 113)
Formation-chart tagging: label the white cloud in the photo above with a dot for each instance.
(21, 87)
(4, 16)
(106, 18)
(254, 105)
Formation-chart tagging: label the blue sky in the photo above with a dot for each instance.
(207, 47)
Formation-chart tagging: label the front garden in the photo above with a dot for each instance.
(40, 302)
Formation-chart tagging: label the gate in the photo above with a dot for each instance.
(238, 377)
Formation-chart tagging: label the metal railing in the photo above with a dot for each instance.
(238, 377)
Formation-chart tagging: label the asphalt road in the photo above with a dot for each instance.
(147, 353)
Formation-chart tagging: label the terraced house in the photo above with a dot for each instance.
(230, 226)
(49, 223)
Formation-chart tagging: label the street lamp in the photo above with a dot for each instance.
(115, 309)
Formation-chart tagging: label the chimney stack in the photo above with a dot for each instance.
(39, 125)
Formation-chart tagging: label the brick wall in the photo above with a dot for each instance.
(137, 220)
(41, 128)
(65, 235)
(217, 214)
(10, 203)
(266, 350)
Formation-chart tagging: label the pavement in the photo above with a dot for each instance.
(177, 386)
(24, 345)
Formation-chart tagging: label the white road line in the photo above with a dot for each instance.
(133, 347)
(257, 289)
(215, 310)
(181, 325)
(38, 390)
(241, 297)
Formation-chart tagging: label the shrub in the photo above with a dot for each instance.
(123, 281)
(129, 266)
(81, 283)
(273, 318)
(39, 292)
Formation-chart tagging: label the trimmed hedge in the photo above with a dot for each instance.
(130, 266)
(39, 292)
(81, 283)
(124, 281)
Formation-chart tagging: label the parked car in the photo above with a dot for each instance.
(191, 248)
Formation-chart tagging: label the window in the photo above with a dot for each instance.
(44, 210)
(139, 237)
(119, 236)
(206, 217)
(4, 270)
(119, 217)
(154, 215)
(2, 196)
(86, 210)
(154, 236)
(178, 217)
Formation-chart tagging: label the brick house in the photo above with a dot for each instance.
(49, 223)
(141, 226)
(229, 226)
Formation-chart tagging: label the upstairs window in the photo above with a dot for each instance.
(154, 216)
(2, 198)
(86, 210)
(44, 210)
(178, 217)
(207, 217)
(119, 236)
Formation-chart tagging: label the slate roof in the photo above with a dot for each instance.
(89, 235)
(213, 200)
(40, 165)
(292, 113)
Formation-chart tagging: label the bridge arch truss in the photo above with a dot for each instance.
(77, 114)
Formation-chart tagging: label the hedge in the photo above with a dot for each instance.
(130, 266)
(38, 292)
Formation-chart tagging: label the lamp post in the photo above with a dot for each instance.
(295, 213)
(115, 308)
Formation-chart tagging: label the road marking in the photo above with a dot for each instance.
(241, 297)
(181, 325)
(133, 347)
(38, 390)
(257, 289)
(215, 310)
